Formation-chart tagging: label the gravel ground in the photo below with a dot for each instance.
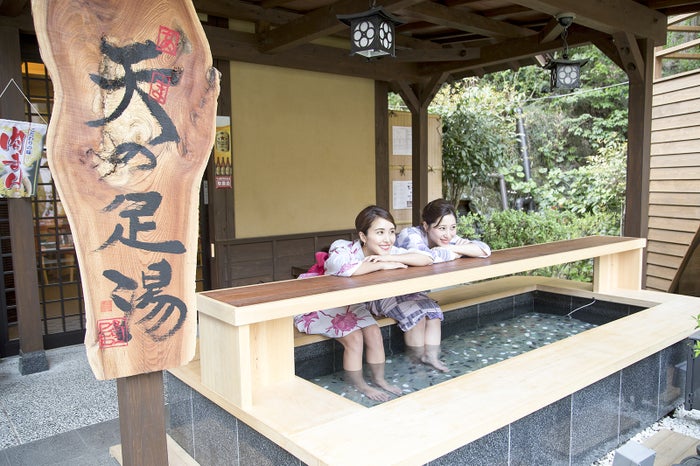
(681, 421)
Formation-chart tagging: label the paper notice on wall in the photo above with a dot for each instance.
(401, 140)
(403, 194)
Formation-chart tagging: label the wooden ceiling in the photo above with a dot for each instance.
(437, 41)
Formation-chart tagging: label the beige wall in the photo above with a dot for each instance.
(303, 149)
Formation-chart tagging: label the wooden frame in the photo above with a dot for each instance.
(246, 333)
(304, 419)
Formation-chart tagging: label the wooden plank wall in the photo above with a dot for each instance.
(249, 261)
(674, 188)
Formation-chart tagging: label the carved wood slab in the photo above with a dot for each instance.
(130, 133)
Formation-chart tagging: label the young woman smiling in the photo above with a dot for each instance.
(354, 326)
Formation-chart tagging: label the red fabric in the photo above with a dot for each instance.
(317, 268)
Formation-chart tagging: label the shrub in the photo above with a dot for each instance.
(513, 228)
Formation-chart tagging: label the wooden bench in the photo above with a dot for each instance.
(468, 294)
(247, 333)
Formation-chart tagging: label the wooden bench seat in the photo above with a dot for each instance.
(469, 294)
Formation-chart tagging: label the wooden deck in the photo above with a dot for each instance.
(671, 447)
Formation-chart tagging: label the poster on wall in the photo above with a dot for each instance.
(403, 194)
(21, 147)
(222, 153)
(401, 140)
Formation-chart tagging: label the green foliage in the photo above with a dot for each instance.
(514, 228)
(477, 137)
(565, 132)
(598, 186)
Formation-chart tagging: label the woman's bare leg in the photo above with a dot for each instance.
(423, 343)
(376, 359)
(353, 344)
(431, 357)
(416, 336)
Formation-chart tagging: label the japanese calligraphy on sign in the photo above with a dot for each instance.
(132, 128)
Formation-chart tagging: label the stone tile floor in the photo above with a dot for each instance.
(62, 416)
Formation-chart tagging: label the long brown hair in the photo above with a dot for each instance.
(368, 215)
(434, 211)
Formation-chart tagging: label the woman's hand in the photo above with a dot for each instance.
(375, 263)
(377, 258)
(393, 265)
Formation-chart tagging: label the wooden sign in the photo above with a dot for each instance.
(130, 134)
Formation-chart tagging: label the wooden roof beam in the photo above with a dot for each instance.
(605, 45)
(632, 60)
(506, 52)
(465, 21)
(318, 23)
(551, 31)
(609, 16)
(236, 9)
(442, 54)
(240, 46)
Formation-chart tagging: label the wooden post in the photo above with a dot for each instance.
(142, 419)
(31, 343)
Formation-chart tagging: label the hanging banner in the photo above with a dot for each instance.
(21, 147)
(130, 135)
(222, 153)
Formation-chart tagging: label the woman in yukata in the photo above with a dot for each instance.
(354, 326)
(437, 236)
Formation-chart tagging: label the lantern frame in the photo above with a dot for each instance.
(372, 32)
(565, 73)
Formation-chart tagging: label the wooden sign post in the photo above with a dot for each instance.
(131, 130)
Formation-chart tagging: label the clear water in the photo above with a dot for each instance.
(466, 353)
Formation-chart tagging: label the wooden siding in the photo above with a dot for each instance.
(249, 261)
(674, 184)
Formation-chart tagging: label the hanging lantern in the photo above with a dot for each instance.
(565, 73)
(371, 32)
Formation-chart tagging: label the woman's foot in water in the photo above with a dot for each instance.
(355, 378)
(377, 371)
(431, 357)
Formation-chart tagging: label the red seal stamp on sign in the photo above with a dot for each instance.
(160, 84)
(168, 40)
(112, 333)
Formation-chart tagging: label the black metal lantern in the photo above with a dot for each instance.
(565, 73)
(371, 32)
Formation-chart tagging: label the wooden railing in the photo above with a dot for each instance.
(246, 333)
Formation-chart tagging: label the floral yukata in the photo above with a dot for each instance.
(417, 239)
(345, 257)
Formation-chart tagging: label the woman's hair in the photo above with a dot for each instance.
(368, 215)
(434, 211)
